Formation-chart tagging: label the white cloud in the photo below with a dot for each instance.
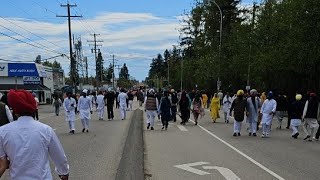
(135, 38)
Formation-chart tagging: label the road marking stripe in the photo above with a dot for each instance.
(182, 128)
(242, 154)
(188, 167)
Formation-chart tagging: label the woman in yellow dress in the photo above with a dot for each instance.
(204, 100)
(215, 107)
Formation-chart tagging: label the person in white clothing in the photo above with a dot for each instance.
(151, 106)
(253, 107)
(122, 99)
(268, 110)
(310, 115)
(85, 109)
(26, 144)
(227, 101)
(69, 105)
(100, 105)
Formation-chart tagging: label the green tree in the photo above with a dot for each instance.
(99, 67)
(38, 59)
(108, 73)
(124, 80)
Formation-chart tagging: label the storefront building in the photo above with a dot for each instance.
(29, 76)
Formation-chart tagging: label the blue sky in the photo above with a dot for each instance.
(134, 31)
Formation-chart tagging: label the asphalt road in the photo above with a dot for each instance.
(204, 152)
(209, 151)
(92, 156)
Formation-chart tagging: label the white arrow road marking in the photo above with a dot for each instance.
(188, 167)
(182, 128)
(225, 172)
(242, 154)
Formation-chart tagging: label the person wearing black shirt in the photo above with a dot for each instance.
(296, 112)
(110, 97)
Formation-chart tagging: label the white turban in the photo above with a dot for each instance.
(253, 92)
(85, 91)
(151, 91)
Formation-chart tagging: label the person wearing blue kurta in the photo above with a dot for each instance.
(253, 106)
(268, 110)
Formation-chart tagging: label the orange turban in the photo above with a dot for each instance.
(21, 102)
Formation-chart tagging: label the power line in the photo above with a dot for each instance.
(16, 6)
(82, 21)
(28, 43)
(28, 38)
(43, 7)
(30, 32)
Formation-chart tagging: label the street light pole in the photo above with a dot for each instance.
(181, 75)
(220, 44)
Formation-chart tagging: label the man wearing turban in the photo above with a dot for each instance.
(85, 109)
(296, 115)
(254, 106)
(268, 110)
(310, 115)
(239, 105)
(69, 105)
(27, 143)
(122, 99)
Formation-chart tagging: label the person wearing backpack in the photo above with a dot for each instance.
(174, 102)
(57, 104)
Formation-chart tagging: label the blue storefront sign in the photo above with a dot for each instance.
(31, 80)
(22, 69)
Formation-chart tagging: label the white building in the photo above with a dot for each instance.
(29, 76)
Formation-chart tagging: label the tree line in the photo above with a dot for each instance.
(272, 45)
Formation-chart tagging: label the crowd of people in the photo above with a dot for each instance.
(254, 108)
(23, 137)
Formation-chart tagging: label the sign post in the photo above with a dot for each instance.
(219, 85)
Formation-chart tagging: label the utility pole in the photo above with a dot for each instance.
(250, 44)
(168, 72)
(119, 68)
(94, 50)
(73, 62)
(113, 72)
(85, 59)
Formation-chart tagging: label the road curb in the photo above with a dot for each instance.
(131, 166)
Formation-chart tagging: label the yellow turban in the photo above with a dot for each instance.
(298, 97)
(240, 92)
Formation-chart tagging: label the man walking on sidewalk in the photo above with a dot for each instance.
(268, 110)
(69, 105)
(110, 97)
(100, 105)
(151, 108)
(310, 116)
(165, 110)
(239, 105)
(122, 99)
(85, 109)
(26, 144)
(296, 115)
(174, 102)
